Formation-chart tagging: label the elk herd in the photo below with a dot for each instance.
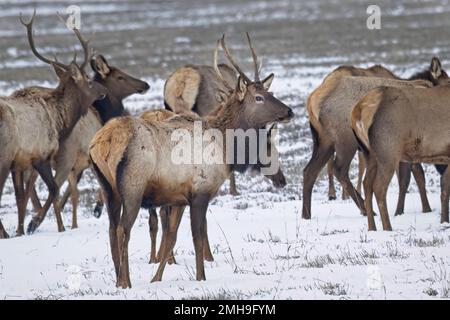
(56, 133)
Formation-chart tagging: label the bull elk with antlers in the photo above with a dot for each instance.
(34, 122)
(132, 161)
(73, 155)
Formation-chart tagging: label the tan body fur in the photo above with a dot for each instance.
(329, 108)
(402, 124)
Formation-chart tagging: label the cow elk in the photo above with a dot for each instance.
(329, 108)
(34, 122)
(132, 160)
(395, 125)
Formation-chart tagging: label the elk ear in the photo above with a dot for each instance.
(75, 72)
(267, 82)
(221, 96)
(58, 70)
(100, 66)
(241, 88)
(436, 68)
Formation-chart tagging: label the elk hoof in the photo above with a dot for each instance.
(153, 260)
(156, 278)
(4, 235)
(32, 226)
(98, 211)
(75, 226)
(171, 260)
(209, 258)
(332, 197)
(399, 213)
(427, 210)
(234, 193)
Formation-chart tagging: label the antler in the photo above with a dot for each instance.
(29, 27)
(217, 70)
(230, 58)
(255, 58)
(88, 54)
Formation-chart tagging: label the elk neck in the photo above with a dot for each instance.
(66, 108)
(109, 107)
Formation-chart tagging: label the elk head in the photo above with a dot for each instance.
(72, 77)
(437, 75)
(119, 84)
(259, 108)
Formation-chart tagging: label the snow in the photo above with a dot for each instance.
(265, 251)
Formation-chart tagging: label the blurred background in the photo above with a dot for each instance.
(301, 41)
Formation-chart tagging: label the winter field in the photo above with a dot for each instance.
(261, 246)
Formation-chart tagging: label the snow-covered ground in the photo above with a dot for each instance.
(265, 251)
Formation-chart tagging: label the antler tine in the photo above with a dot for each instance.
(217, 70)
(88, 53)
(230, 58)
(84, 44)
(255, 57)
(29, 27)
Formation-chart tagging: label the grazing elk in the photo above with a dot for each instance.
(197, 88)
(329, 108)
(133, 163)
(395, 125)
(33, 123)
(73, 155)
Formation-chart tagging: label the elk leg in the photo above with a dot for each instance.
(64, 198)
(153, 227)
(361, 169)
(380, 187)
(45, 171)
(74, 195)
(131, 206)
(3, 233)
(341, 169)
(404, 178)
(4, 172)
(164, 214)
(199, 208)
(368, 192)
(320, 156)
(331, 187)
(419, 176)
(173, 222)
(98, 205)
(207, 254)
(445, 192)
(233, 189)
(21, 201)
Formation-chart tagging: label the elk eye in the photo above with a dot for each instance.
(120, 78)
(90, 83)
(259, 98)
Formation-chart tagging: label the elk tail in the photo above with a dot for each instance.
(181, 90)
(362, 117)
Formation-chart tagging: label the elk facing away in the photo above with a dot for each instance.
(402, 124)
(329, 108)
(33, 124)
(132, 160)
(73, 155)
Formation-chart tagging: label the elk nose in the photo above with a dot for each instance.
(290, 114)
(145, 89)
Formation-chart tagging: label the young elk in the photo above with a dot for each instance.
(402, 124)
(73, 155)
(132, 160)
(329, 108)
(198, 89)
(34, 123)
